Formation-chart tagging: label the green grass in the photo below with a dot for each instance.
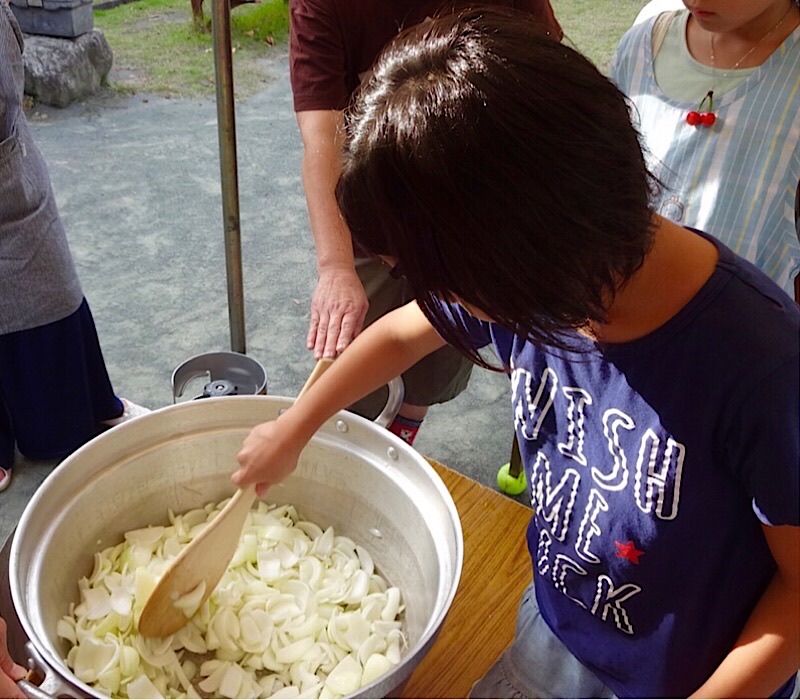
(594, 27)
(158, 49)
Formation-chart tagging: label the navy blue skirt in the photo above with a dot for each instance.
(54, 388)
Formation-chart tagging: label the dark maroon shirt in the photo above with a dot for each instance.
(334, 42)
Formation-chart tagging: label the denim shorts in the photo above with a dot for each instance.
(537, 664)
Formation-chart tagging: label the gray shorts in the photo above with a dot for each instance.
(537, 664)
(441, 376)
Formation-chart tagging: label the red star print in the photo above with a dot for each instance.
(628, 551)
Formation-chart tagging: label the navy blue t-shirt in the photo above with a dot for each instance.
(652, 466)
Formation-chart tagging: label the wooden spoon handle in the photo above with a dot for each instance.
(320, 368)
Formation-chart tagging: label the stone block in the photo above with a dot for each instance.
(60, 18)
(60, 71)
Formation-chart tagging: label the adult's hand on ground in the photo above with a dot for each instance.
(338, 309)
(10, 672)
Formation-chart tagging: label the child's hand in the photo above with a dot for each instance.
(268, 456)
(10, 672)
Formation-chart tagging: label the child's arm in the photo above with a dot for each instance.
(383, 351)
(767, 652)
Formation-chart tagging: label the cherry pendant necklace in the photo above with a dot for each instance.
(700, 118)
(707, 119)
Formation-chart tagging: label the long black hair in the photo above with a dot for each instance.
(500, 168)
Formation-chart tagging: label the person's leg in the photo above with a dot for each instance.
(385, 294)
(6, 444)
(436, 379)
(56, 385)
(537, 664)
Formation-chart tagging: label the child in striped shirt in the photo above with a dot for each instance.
(716, 90)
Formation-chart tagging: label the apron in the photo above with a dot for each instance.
(38, 281)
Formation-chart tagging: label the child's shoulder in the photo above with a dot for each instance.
(630, 49)
(646, 34)
(761, 308)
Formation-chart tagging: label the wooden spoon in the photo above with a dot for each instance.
(205, 559)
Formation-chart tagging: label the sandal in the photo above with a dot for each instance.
(130, 410)
(5, 478)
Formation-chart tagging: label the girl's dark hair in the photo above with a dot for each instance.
(499, 168)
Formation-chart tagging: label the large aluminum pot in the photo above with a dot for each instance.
(357, 477)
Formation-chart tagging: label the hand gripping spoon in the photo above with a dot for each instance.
(201, 564)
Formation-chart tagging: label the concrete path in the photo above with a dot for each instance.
(138, 184)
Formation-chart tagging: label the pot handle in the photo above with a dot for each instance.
(41, 681)
(397, 391)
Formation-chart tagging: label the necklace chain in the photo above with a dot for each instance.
(754, 46)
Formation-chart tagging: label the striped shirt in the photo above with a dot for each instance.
(736, 180)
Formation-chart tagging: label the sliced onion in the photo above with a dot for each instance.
(190, 602)
(142, 687)
(300, 613)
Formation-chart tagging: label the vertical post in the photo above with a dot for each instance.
(226, 127)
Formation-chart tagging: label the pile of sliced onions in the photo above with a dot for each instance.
(300, 613)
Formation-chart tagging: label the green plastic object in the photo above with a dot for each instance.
(507, 483)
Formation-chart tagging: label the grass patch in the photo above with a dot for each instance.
(594, 27)
(158, 49)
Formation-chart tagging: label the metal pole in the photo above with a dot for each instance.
(226, 127)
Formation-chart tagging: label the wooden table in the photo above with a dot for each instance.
(497, 568)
